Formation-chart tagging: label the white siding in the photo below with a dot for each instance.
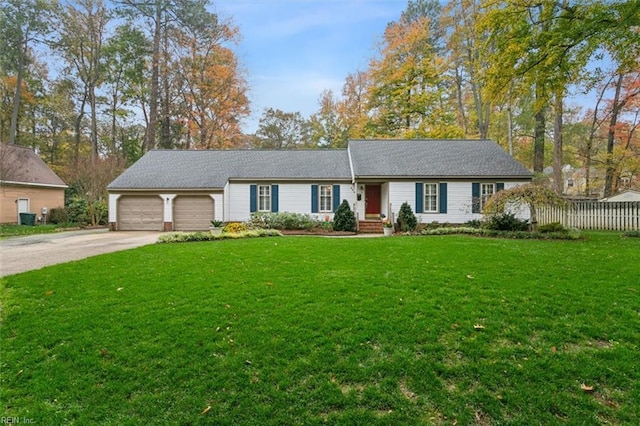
(458, 202)
(238, 202)
(292, 197)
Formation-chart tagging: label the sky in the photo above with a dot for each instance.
(292, 50)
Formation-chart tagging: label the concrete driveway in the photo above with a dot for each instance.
(22, 254)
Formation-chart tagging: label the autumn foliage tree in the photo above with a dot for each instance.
(408, 94)
(214, 99)
(533, 196)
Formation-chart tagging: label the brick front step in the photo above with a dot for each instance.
(370, 227)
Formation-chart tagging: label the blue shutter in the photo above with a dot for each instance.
(443, 197)
(499, 186)
(475, 197)
(253, 198)
(314, 199)
(419, 197)
(274, 198)
(336, 197)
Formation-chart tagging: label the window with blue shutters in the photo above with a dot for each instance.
(263, 198)
(481, 192)
(431, 197)
(325, 198)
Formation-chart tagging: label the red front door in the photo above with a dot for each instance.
(372, 198)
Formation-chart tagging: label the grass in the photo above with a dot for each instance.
(308, 330)
(10, 230)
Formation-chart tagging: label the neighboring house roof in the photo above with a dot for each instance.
(628, 195)
(164, 169)
(170, 169)
(22, 166)
(435, 158)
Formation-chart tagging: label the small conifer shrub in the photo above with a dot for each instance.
(344, 219)
(406, 219)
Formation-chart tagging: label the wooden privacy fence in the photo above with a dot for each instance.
(614, 216)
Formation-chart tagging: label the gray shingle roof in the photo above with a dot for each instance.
(433, 158)
(166, 169)
(22, 165)
(212, 169)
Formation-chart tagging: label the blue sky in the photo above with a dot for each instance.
(294, 49)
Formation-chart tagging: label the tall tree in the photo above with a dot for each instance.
(282, 130)
(82, 34)
(164, 17)
(22, 24)
(407, 96)
(215, 91)
(546, 44)
(328, 130)
(468, 62)
(353, 105)
(125, 56)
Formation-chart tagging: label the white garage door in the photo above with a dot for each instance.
(140, 213)
(192, 212)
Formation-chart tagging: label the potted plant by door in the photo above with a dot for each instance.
(216, 227)
(387, 227)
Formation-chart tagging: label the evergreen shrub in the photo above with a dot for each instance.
(506, 222)
(344, 219)
(406, 219)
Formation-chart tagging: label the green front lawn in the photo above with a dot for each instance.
(310, 330)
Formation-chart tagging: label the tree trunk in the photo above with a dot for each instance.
(510, 129)
(615, 111)
(13, 131)
(94, 124)
(557, 143)
(538, 132)
(165, 123)
(150, 142)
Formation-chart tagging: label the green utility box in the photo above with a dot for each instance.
(28, 219)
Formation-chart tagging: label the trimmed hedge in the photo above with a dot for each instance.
(520, 235)
(186, 237)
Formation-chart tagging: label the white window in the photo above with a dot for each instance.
(486, 191)
(264, 198)
(431, 198)
(325, 198)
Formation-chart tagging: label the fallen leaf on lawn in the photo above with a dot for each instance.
(553, 349)
(206, 410)
(49, 293)
(586, 388)
(478, 326)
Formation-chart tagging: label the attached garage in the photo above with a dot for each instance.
(140, 213)
(193, 212)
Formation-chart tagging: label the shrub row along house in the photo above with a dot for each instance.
(442, 180)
